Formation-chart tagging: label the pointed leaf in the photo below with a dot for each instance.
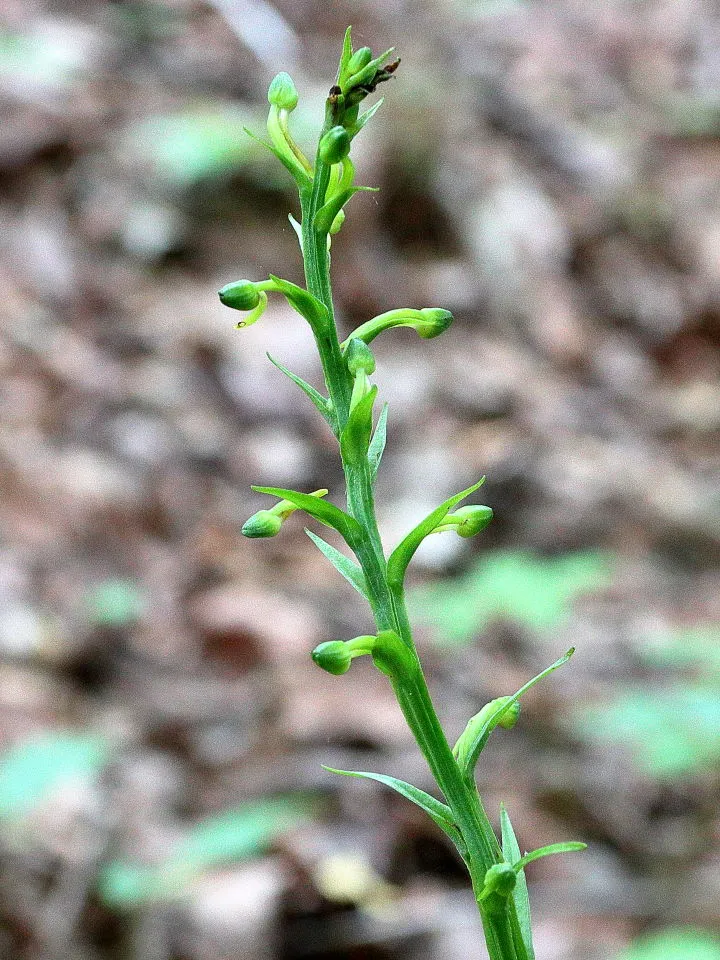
(472, 740)
(326, 214)
(355, 438)
(308, 306)
(439, 812)
(367, 116)
(377, 444)
(511, 853)
(347, 52)
(569, 846)
(323, 511)
(317, 398)
(344, 565)
(403, 553)
(297, 227)
(299, 175)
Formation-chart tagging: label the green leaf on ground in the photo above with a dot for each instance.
(228, 837)
(536, 591)
(672, 731)
(115, 603)
(33, 769)
(674, 943)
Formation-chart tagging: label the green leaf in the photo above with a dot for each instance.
(33, 769)
(323, 511)
(403, 553)
(472, 740)
(533, 590)
(344, 565)
(511, 853)
(439, 812)
(377, 444)
(366, 117)
(355, 438)
(347, 52)
(115, 603)
(674, 943)
(308, 306)
(672, 731)
(317, 398)
(326, 214)
(293, 166)
(228, 837)
(569, 846)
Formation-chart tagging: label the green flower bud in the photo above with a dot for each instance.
(508, 720)
(500, 879)
(240, 295)
(333, 656)
(467, 521)
(428, 322)
(282, 92)
(361, 58)
(359, 357)
(334, 145)
(262, 524)
(471, 519)
(434, 322)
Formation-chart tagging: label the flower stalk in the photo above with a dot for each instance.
(325, 187)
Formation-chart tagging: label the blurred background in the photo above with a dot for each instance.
(549, 172)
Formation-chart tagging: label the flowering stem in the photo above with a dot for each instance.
(389, 606)
(324, 190)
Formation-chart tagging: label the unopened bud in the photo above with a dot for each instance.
(428, 322)
(359, 357)
(240, 295)
(262, 524)
(333, 656)
(334, 145)
(510, 717)
(434, 322)
(282, 92)
(472, 519)
(361, 58)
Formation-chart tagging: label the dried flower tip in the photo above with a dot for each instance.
(282, 92)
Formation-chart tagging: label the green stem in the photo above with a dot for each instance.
(388, 606)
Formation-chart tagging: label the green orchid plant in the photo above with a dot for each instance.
(325, 186)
